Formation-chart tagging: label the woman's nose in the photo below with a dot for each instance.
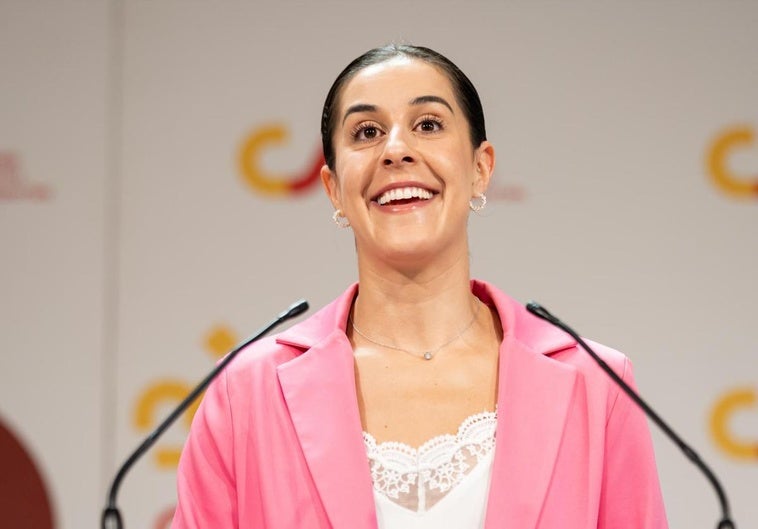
(397, 150)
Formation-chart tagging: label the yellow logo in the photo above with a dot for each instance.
(719, 154)
(169, 392)
(273, 184)
(730, 404)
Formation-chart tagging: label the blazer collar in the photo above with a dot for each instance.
(332, 317)
(534, 397)
(534, 394)
(319, 388)
(537, 335)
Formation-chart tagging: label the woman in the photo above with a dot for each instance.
(419, 398)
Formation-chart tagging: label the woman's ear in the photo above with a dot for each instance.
(484, 158)
(331, 186)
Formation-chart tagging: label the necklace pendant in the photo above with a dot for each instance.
(428, 355)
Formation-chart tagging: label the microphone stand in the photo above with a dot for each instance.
(726, 521)
(111, 518)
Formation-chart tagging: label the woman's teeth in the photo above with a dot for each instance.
(403, 193)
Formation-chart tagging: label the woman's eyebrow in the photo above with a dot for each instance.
(360, 107)
(431, 99)
(420, 100)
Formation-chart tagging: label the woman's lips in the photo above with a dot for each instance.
(403, 196)
(402, 204)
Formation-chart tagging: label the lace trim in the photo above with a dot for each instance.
(419, 478)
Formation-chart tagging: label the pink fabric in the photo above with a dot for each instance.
(277, 441)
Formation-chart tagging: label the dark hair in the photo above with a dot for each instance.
(465, 93)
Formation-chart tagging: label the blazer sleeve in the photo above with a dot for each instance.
(631, 494)
(206, 489)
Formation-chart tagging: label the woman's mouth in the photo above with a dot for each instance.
(403, 195)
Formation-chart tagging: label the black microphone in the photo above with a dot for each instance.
(726, 521)
(111, 518)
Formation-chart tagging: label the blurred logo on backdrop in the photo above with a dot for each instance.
(283, 185)
(163, 520)
(24, 498)
(166, 393)
(13, 184)
(271, 183)
(728, 423)
(730, 149)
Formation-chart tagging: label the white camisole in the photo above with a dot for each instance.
(443, 483)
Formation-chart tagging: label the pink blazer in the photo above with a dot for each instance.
(277, 444)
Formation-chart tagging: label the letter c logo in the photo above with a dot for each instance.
(164, 392)
(726, 407)
(718, 167)
(274, 184)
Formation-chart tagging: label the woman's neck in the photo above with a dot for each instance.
(414, 309)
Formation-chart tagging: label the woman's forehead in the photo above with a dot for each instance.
(400, 79)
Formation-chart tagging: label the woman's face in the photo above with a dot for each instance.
(405, 168)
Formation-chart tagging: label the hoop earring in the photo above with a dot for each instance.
(482, 201)
(340, 219)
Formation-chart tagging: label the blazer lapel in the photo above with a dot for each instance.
(532, 408)
(534, 399)
(319, 388)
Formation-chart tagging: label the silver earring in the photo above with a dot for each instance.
(478, 206)
(340, 219)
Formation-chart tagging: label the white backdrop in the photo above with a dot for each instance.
(150, 241)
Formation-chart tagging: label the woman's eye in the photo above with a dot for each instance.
(369, 133)
(429, 125)
(366, 132)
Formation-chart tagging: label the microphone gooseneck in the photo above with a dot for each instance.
(726, 521)
(111, 518)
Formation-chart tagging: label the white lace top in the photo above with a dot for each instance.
(443, 483)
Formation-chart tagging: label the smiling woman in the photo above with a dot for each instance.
(419, 398)
(403, 168)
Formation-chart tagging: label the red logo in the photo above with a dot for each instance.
(12, 184)
(271, 183)
(24, 500)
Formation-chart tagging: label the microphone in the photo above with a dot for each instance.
(111, 518)
(726, 521)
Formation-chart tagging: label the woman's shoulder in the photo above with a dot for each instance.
(543, 337)
(266, 353)
(254, 369)
(263, 357)
(582, 361)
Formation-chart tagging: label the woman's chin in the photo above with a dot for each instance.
(411, 253)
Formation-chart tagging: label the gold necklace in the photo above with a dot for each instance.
(426, 355)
